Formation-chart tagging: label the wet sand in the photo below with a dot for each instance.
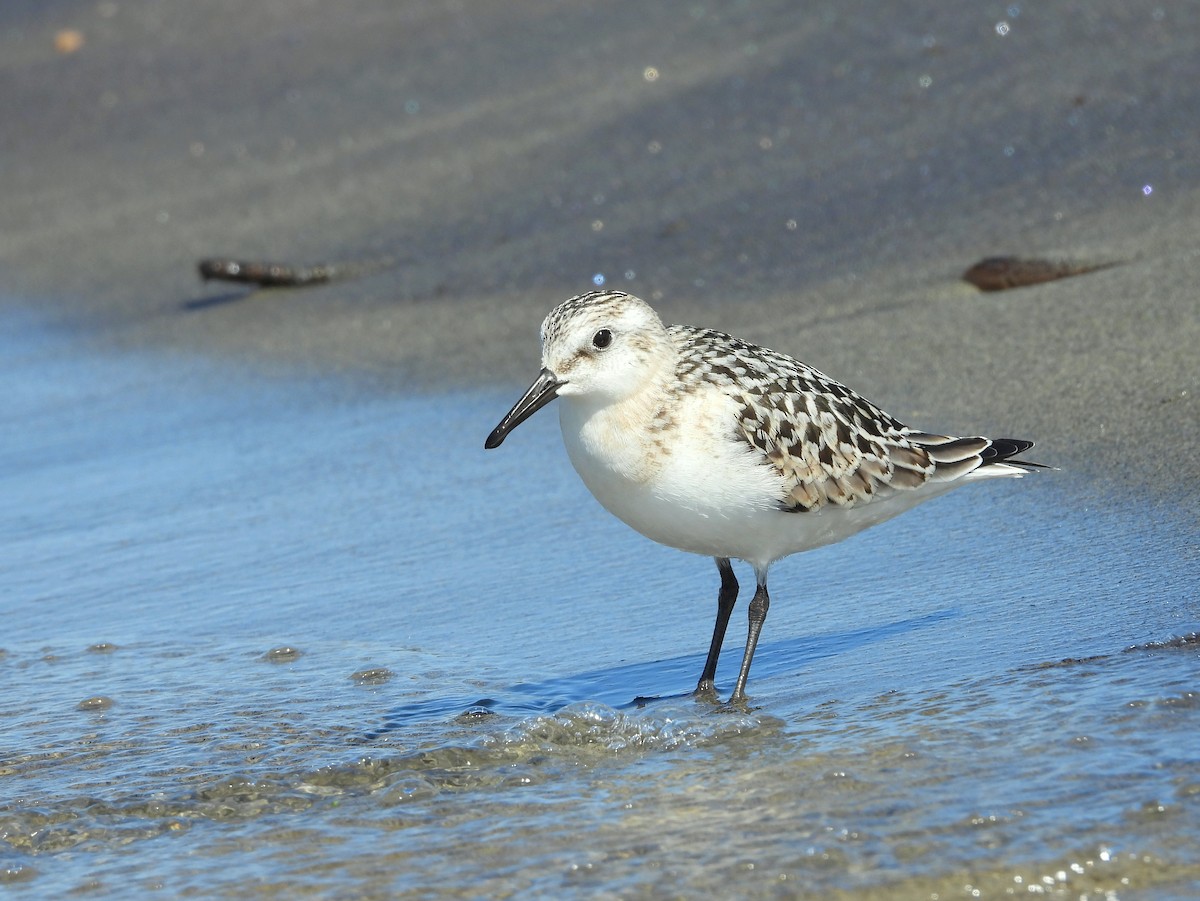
(816, 178)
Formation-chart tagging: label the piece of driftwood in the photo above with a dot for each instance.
(1004, 273)
(266, 275)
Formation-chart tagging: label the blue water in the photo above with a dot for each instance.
(945, 705)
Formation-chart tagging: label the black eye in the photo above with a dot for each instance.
(602, 339)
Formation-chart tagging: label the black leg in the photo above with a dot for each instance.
(725, 601)
(758, 615)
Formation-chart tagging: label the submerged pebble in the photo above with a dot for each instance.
(94, 704)
(16, 872)
(282, 654)
(474, 715)
(375, 675)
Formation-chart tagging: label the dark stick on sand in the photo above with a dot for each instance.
(266, 275)
(1004, 273)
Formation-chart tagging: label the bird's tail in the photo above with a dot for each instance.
(960, 458)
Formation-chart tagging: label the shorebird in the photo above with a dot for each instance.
(713, 445)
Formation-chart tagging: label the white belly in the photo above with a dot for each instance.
(706, 494)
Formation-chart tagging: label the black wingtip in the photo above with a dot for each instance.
(1003, 450)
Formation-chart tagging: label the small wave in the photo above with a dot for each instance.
(593, 725)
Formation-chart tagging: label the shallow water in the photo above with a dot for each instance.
(267, 634)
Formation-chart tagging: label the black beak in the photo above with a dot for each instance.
(543, 390)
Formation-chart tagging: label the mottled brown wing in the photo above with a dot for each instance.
(829, 444)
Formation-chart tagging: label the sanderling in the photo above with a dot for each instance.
(710, 444)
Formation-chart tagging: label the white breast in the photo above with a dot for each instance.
(692, 486)
(698, 487)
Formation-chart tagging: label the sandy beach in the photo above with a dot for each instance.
(812, 178)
